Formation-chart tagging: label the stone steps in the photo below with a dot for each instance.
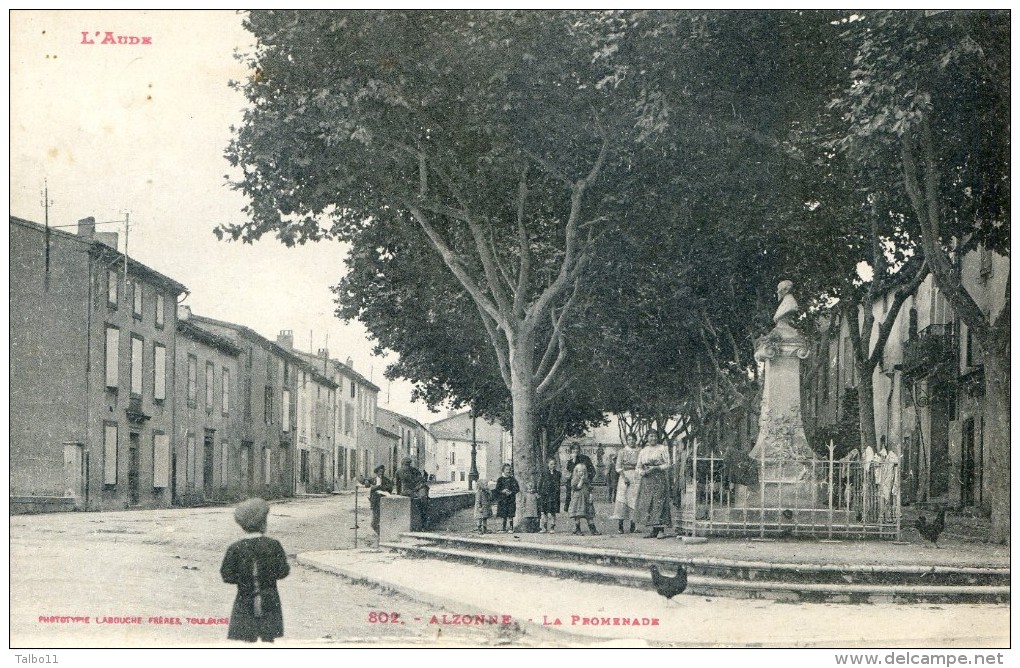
(720, 577)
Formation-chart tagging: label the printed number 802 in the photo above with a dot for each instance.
(383, 617)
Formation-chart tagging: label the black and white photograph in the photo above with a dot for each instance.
(511, 329)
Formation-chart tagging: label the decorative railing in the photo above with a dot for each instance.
(824, 498)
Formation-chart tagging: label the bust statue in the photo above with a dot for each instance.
(787, 307)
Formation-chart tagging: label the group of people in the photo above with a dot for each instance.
(874, 482)
(408, 481)
(641, 494)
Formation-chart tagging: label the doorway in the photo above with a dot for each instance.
(207, 465)
(134, 441)
(968, 465)
(74, 473)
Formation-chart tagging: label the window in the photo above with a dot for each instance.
(349, 418)
(247, 397)
(225, 387)
(286, 372)
(304, 466)
(112, 357)
(136, 366)
(159, 372)
(160, 460)
(453, 457)
(110, 453)
(986, 263)
(160, 310)
(267, 458)
(354, 390)
(136, 292)
(453, 475)
(285, 407)
(224, 462)
(973, 355)
(192, 381)
(462, 476)
(111, 288)
(268, 407)
(210, 384)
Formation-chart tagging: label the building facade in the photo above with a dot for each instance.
(928, 388)
(205, 461)
(92, 384)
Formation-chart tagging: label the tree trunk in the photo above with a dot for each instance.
(997, 368)
(866, 401)
(522, 392)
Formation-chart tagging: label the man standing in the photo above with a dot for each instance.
(574, 455)
(410, 482)
(381, 486)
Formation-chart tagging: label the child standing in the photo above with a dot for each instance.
(254, 565)
(483, 506)
(506, 497)
(531, 509)
(581, 506)
(549, 495)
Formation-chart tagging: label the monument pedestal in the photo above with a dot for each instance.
(787, 478)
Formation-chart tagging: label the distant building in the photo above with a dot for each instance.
(412, 439)
(92, 385)
(454, 436)
(356, 444)
(206, 459)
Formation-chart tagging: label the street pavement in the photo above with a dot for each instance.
(143, 565)
(570, 613)
(147, 565)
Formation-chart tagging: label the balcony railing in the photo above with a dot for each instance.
(932, 352)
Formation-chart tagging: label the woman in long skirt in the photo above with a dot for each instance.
(653, 504)
(630, 482)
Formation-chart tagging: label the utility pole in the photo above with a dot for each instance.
(47, 203)
(127, 229)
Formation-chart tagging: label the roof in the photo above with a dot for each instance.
(263, 341)
(387, 432)
(100, 249)
(339, 366)
(192, 331)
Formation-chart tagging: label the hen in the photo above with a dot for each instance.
(669, 586)
(931, 531)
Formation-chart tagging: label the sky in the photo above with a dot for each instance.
(141, 129)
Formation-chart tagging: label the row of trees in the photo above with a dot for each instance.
(552, 215)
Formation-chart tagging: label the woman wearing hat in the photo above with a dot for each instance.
(254, 565)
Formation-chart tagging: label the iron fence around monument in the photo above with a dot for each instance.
(820, 498)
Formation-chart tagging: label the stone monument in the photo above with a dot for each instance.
(785, 477)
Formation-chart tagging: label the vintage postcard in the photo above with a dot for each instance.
(248, 250)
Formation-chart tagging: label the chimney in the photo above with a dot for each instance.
(349, 363)
(183, 312)
(324, 353)
(87, 227)
(286, 338)
(107, 238)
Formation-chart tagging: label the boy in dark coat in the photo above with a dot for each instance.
(506, 497)
(254, 565)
